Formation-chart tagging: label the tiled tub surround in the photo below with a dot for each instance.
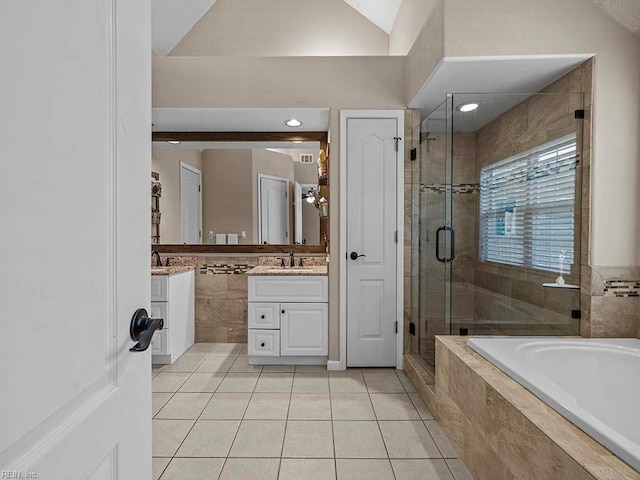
(216, 417)
(601, 401)
(500, 429)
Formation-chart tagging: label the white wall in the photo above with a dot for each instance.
(283, 28)
(506, 27)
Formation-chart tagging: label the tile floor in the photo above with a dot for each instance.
(216, 417)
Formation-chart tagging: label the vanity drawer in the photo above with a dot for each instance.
(160, 342)
(264, 343)
(288, 288)
(159, 288)
(160, 310)
(264, 315)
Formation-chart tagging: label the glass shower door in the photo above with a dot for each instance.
(437, 238)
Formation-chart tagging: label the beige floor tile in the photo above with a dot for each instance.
(408, 440)
(442, 441)
(238, 382)
(168, 382)
(215, 365)
(421, 407)
(186, 364)
(241, 365)
(268, 406)
(279, 368)
(393, 406)
(380, 382)
(310, 406)
(406, 383)
(342, 373)
(209, 438)
(310, 382)
(227, 349)
(360, 439)
(226, 406)
(459, 469)
(200, 349)
(193, 469)
(348, 383)
(202, 382)
(156, 369)
(369, 372)
(168, 435)
(159, 400)
(184, 406)
(307, 469)
(352, 406)
(358, 469)
(275, 382)
(250, 469)
(159, 464)
(421, 470)
(311, 368)
(308, 439)
(259, 438)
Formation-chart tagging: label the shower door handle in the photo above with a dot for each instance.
(453, 244)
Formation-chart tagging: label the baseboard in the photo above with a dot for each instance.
(334, 365)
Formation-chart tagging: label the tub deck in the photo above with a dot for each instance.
(503, 431)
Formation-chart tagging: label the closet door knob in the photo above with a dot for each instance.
(262, 344)
(262, 317)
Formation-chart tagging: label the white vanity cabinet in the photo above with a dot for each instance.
(288, 319)
(172, 298)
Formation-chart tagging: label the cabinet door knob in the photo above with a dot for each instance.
(262, 344)
(262, 316)
(282, 311)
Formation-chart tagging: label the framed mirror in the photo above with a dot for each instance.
(239, 191)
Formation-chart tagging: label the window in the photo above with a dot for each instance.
(527, 208)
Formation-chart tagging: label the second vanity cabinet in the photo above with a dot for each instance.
(172, 298)
(288, 319)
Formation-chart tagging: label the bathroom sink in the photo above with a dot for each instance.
(290, 270)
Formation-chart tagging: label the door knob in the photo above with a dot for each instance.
(142, 329)
(355, 256)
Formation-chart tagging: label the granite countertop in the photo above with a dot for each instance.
(280, 271)
(172, 270)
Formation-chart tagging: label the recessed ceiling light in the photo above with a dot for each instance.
(296, 141)
(173, 142)
(467, 107)
(292, 122)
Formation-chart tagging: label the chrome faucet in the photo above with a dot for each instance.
(158, 260)
(292, 260)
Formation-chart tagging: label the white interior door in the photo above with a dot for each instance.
(76, 98)
(273, 219)
(190, 204)
(371, 210)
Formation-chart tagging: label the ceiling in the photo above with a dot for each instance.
(239, 119)
(172, 19)
(496, 83)
(627, 12)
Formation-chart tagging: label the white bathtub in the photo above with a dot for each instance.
(595, 383)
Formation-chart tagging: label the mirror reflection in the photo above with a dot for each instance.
(236, 194)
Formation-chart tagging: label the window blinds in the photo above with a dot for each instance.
(527, 207)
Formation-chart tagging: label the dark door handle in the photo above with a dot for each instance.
(142, 329)
(453, 244)
(355, 256)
